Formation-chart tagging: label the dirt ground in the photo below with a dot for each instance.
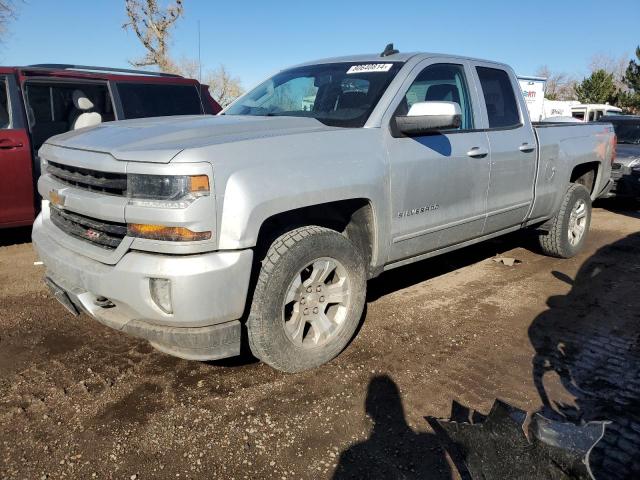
(78, 400)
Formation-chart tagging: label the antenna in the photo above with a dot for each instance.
(389, 50)
(199, 57)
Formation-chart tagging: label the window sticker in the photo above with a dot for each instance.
(370, 67)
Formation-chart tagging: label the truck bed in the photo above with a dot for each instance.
(562, 146)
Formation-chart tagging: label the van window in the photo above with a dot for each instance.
(51, 109)
(440, 83)
(502, 107)
(158, 100)
(5, 118)
(578, 115)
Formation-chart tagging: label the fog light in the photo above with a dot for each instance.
(161, 293)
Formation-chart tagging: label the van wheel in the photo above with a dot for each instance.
(308, 299)
(570, 226)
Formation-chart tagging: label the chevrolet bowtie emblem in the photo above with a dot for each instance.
(56, 198)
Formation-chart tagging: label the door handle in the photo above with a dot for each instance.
(526, 148)
(477, 152)
(6, 143)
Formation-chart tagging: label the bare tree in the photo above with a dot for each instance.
(8, 12)
(223, 86)
(559, 86)
(617, 66)
(152, 25)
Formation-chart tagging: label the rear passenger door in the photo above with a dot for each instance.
(513, 148)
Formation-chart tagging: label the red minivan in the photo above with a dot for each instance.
(39, 101)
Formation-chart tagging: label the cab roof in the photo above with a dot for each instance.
(402, 57)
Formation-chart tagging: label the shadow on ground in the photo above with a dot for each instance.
(14, 236)
(589, 339)
(623, 206)
(393, 450)
(415, 273)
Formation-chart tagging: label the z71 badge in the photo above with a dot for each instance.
(419, 210)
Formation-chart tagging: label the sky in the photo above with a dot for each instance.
(254, 39)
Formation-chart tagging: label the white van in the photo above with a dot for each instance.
(591, 112)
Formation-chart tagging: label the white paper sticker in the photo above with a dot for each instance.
(370, 67)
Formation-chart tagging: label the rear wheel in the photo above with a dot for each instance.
(308, 299)
(570, 226)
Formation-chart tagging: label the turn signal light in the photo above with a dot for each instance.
(199, 183)
(160, 232)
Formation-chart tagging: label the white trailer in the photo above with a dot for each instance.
(558, 108)
(533, 91)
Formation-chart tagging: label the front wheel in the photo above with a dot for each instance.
(308, 299)
(570, 226)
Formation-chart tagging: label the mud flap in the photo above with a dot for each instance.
(62, 297)
(500, 446)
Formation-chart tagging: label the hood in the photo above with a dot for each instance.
(160, 139)
(627, 153)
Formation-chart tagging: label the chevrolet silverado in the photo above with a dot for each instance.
(260, 227)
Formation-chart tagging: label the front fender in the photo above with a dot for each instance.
(260, 178)
(254, 195)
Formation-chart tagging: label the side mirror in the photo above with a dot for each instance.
(428, 117)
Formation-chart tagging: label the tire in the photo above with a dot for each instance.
(287, 325)
(563, 240)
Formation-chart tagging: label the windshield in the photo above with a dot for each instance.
(336, 94)
(627, 132)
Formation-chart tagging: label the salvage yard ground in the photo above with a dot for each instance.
(78, 400)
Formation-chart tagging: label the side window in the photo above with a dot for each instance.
(5, 117)
(140, 100)
(502, 107)
(440, 83)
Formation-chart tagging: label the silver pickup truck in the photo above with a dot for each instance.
(260, 227)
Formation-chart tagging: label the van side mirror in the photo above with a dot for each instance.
(428, 117)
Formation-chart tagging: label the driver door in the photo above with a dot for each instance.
(439, 181)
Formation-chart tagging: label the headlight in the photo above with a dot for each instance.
(166, 191)
(635, 165)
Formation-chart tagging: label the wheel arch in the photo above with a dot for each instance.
(354, 217)
(587, 175)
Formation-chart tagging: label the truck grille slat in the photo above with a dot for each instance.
(94, 180)
(99, 232)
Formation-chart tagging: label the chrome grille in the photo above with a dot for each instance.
(98, 232)
(87, 179)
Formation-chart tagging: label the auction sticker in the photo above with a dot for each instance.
(370, 67)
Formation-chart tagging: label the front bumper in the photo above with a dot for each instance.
(208, 294)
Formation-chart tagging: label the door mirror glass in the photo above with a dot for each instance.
(428, 117)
